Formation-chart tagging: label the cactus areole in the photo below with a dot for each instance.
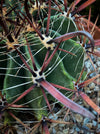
(38, 76)
(45, 40)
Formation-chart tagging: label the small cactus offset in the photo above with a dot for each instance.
(42, 53)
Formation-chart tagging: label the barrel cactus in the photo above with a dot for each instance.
(45, 55)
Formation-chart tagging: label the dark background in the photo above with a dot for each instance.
(95, 10)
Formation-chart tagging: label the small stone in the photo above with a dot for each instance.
(92, 57)
(85, 127)
(66, 131)
(98, 49)
(92, 67)
(88, 91)
(78, 117)
(54, 117)
(98, 63)
(94, 112)
(92, 86)
(75, 132)
(99, 126)
(71, 131)
(59, 132)
(94, 123)
(89, 125)
(86, 120)
(77, 129)
(61, 125)
(20, 132)
(92, 74)
(98, 58)
(98, 69)
(80, 103)
(88, 70)
(54, 125)
(96, 88)
(53, 131)
(88, 64)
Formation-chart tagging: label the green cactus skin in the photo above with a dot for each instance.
(3, 64)
(61, 24)
(36, 95)
(11, 82)
(64, 74)
(73, 64)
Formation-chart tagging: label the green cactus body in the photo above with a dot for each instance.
(73, 63)
(11, 81)
(35, 98)
(3, 64)
(62, 70)
(61, 24)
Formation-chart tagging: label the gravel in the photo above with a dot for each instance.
(83, 125)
